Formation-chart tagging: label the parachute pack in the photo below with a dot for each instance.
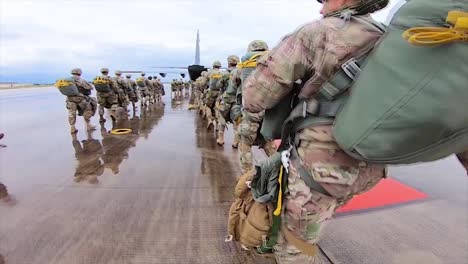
(249, 65)
(141, 82)
(409, 97)
(102, 84)
(67, 87)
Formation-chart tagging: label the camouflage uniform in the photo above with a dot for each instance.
(145, 92)
(229, 84)
(197, 91)
(107, 100)
(214, 76)
(83, 103)
(121, 86)
(251, 122)
(316, 50)
(132, 90)
(158, 89)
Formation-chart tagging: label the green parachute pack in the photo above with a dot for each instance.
(409, 98)
(67, 87)
(102, 84)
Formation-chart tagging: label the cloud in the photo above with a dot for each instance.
(42, 40)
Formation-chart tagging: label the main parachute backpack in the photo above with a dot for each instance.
(67, 87)
(141, 82)
(102, 84)
(410, 102)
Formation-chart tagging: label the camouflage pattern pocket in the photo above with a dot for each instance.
(334, 173)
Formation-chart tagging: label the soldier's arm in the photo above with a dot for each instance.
(277, 71)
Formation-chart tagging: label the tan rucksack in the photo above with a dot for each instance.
(249, 221)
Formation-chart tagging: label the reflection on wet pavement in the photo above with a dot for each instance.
(160, 194)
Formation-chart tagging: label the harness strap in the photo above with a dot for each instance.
(305, 174)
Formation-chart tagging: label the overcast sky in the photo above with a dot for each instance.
(41, 41)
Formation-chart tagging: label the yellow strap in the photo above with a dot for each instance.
(62, 83)
(216, 76)
(252, 62)
(279, 206)
(432, 36)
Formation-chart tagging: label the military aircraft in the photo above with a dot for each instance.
(194, 71)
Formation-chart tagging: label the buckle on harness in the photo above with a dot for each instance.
(351, 68)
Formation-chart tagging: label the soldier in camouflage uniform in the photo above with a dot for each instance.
(107, 100)
(314, 53)
(121, 85)
(214, 77)
(151, 89)
(132, 91)
(145, 92)
(83, 103)
(197, 91)
(227, 100)
(251, 122)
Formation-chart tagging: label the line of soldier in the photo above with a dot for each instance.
(177, 87)
(330, 177)
(113, 93)
(218, 96)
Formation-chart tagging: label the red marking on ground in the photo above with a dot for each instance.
(387, 192)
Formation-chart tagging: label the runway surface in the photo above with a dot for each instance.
(161, 194)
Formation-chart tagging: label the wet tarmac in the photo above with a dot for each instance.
(162, 193)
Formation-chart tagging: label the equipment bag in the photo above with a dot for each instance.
(67, 87)
(141, 82)
(102, 84)
(410, 102)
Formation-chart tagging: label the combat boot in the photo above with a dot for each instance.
(90, 127)
(73, 130)
(220, 139)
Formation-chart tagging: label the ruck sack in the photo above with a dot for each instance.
(102, 84)
(67, 87)
(141, 82)
(410, 103)
(249, 221)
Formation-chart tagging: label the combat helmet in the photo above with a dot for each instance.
(104, 70)
(76, 71)
(257, 45)
(233, 60)
(118, 73)
(216, 64)
(128, 76)
(363, 7)
(143, 73)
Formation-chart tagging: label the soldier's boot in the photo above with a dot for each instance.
(220, 139)
(73, 129)
(90, 127)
